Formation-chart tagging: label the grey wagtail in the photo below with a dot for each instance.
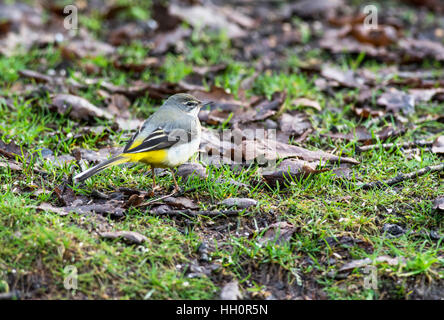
(167, 139)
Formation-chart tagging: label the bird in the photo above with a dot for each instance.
(167, 139)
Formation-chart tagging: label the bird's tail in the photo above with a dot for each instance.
(101, 166)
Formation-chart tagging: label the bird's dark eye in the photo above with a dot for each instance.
(191, 103)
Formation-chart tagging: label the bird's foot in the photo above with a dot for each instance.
(154, 190)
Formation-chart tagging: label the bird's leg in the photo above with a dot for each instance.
(154, 178)
(155, 186)
(176, 186)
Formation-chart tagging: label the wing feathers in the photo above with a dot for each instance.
(157, 140)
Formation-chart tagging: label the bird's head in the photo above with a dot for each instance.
(186, 102)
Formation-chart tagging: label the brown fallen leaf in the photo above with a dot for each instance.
(438, 204)
(278, 233)
(438, 145)
(367, 261)
(361, 134)
(231, 291)
(191, 169)
(305, 102)
(397, 101)
(340, 41)
(426, 95)
(181, 203)
(341, 20)
(118, 106)
(267, 108)
(77, 108)
(294, 124)
(343, 173)
(36, 76)
(11, 165)
(112, 208)
(59, 161)
(345, 78)
(86, 48)
(416, 50)
(382, 36)
(208, 16)
(65, 195)
(368, 112)
(313, 8)
(135, 66)
(10, 150)
(124, 34)
(134, 200)
(434, 5)
(164, 41)
(271, 151)
(241, 203)
(128, 236)
(96, 156)
(240, 112)
(139, 88)
(289, 170)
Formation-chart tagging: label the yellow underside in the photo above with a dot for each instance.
(157, 158)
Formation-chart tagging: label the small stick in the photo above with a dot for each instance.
(387, 146)
(402, 177)
(199, 213)
(156, 200)
(175, 193)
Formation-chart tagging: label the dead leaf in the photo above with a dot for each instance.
(208, 16)
(278, 233)
(294, 124)
(135, 66)
(112, 208)
(397, 101)
(86, 48)
(164, 41)
(10, 150)
(289, 170)
(382, 36)
(119, 105)
(191, 169)
(59, 161)
(305, 102)
(128, 236)
(11, 165)
(340, 41)
(65, 195)
(271, 151)
(96, 156)
(313, 8)
(181, 203)
(78, 108)
(345, 78)
(361, 134)
(367, 261)
(417, 50)
(438, 204)
(126, 33)
(241, 203)
(437, 147)
(36, 76)
(231, 291)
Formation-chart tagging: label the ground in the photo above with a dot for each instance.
(306, 237)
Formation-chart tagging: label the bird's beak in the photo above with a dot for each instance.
(206, 103)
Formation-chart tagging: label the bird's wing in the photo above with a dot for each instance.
(158, 139)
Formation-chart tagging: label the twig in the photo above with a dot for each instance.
(173, 194)
(402, 177)
(387, 146)
(209, 213)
